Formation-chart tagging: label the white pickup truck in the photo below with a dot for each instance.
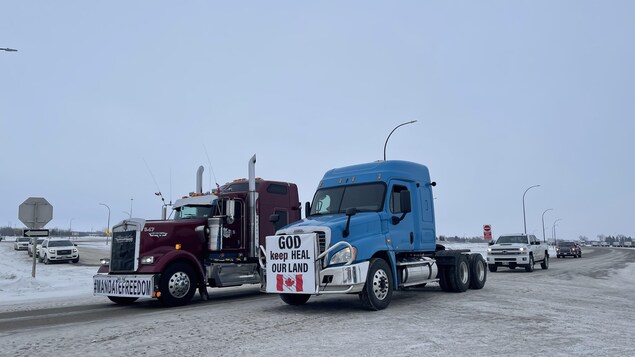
(517, 250)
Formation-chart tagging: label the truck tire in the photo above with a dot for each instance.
(443, 279)
(295, 299)
(460, 274)
(492, 267)
(119, 300)
(530, 267)
(478, 272)
(377, 291)
(178, 285)
(545, 262)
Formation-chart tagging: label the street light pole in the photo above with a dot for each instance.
(543, 223)
(131, 208)
(393, 130)
(108, 226)
(553, 228)
(524, 217)
(70, 228)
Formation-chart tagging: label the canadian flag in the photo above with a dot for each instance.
(289, 282)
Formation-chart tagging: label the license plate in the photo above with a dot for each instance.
(123, 285)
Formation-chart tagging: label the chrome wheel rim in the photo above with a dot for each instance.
(380, 284)
(179, 284)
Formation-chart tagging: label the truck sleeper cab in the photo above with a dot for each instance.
(370, 230)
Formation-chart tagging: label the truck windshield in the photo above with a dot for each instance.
(365, 197)
(512, 239)
(192, 212)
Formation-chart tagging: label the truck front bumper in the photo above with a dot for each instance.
(124, 285)
(343, 279)
(507, 259)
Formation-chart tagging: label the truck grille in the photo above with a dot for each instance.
(505, 252)
(64, 252)
(122, 256)
(321, 241)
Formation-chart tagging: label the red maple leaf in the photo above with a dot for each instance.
(289, 282)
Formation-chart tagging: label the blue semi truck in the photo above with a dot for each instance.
(370, 230)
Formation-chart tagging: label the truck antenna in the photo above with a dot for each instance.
(211, 171)
(155, 182)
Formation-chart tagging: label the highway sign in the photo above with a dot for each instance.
(35, 212)
(36, 232)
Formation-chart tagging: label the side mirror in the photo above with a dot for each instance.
(491, 242)
(307, 209)
(350, 212)
(274, 218)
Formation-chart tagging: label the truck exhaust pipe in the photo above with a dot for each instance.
(253, 196)
(199, 179)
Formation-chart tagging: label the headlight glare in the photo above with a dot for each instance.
(147, 260)
(104, 261)
(343, 256)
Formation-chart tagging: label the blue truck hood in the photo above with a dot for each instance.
(364, 227)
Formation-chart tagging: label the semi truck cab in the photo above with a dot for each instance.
(370, 230)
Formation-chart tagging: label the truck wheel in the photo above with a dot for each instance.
(530, 267)
(545, 263)
(377, 291)
(177, 285)
(460, 274)
(46, 259)
(122, 300)
(492, 267)
(295, 299)
(478, 273)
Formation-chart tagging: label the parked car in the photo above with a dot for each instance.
(564, 249)
(58, 250)
(37, 247)
(21, 243)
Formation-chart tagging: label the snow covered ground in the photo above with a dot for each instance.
(581, 307)
(53, 284)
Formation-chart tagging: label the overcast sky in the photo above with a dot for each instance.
(102, 99)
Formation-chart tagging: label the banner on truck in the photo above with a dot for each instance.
(291, 264)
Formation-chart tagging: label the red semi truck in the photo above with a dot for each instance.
(212, 241)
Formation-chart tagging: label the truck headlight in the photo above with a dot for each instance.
(104, 261)
(489, 250)
(522, 249)
(343, 256)
(147, 260)
(52, 251)
(74, 250)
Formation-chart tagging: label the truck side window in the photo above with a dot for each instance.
(395, 202)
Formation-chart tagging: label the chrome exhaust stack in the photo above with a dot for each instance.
(253, 217)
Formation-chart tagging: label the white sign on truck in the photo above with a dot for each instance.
(291, 264)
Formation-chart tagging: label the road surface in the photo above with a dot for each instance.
(576, 307)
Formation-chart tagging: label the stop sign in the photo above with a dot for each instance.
(35, 212)
(487, 232)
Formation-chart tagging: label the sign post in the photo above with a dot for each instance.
(35, 213)
(487, 232)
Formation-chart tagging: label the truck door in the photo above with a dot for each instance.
(402, 234)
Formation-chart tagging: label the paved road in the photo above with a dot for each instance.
(566, 310)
